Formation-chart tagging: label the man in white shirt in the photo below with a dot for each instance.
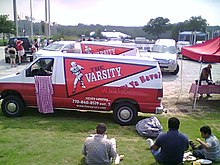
(210, 148)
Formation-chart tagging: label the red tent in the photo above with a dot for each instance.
(208, 51)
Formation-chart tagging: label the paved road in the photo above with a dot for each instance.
(5, 68)
(176, 87)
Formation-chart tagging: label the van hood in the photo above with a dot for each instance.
(159, 56)
(45, 52)
(12, 78)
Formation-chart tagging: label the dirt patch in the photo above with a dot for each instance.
(178, 100)
(187, 105)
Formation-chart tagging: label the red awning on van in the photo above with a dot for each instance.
(209, 51)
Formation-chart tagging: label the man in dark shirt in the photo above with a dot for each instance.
(206, 74)
(169, 147)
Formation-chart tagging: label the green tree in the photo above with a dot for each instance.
(98, 34)
(196, 23)
(7, 26)
(193, 24)
(157, 26)
(181, 26)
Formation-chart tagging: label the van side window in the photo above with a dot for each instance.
(42, 67)
(71, 50)
(68, 48)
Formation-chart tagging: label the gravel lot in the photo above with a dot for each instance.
(176, 87)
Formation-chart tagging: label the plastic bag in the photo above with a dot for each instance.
(149, 127)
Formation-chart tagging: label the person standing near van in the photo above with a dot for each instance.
(45, 42)
(20, 50)
(169, 147)
(12, 55)
(36, 44)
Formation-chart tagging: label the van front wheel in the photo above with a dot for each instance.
(175, 72)
(125, 113)
(12, 106)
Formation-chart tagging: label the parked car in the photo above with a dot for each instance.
(26, 44)
(59, 46)
(142, 44)
(124, 85)
(181, 44)
(165, 52)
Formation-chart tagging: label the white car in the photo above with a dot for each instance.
(165, 52)
(59, 46)
(181, 44)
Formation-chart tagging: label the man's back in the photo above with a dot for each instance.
(173, 144)
(98, 150)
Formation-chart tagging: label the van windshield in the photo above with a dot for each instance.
(164, 49)
(54, 47)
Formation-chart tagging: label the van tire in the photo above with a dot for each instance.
(12, 106)
(175, 72)
(125, 113)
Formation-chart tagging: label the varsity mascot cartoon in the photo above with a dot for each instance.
(88, 50)
(76, 70)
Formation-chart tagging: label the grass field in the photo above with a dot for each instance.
(2, 42)
(57, 139)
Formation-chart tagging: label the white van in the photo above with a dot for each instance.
(126, 85)
(89, 47)
(165, 52)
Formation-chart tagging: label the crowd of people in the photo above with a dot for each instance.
(168, 148)
(19, 51)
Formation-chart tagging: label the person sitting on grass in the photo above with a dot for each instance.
(99, 150)
(208, 149)
(169, 147)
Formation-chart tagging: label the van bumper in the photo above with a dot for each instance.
(168, 68)
(159, 110)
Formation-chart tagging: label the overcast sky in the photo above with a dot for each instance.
(116, 12)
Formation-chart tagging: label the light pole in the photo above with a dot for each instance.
(23, 32)
(15, 17)
(49, 31)
(46, 21)
(31, 20)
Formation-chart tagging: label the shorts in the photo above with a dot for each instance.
(12, 56)
(21, 52)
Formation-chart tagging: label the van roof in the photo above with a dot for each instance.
(167, 42)
(99, 57)
(64, 42)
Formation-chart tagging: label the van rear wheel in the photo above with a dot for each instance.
(125, 113)
(12, 106)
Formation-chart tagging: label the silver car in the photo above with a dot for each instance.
(165, 52)
(59, 46)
